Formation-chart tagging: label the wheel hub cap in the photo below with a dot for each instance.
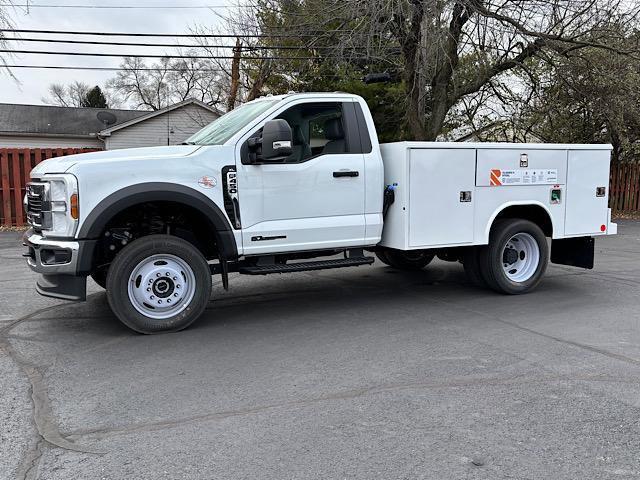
(520, 257)
(161, 286)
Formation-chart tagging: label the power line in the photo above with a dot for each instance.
(107, 69)
(176, 45)
(185, 35)
(40, 5)
(143, 69)
(209, 57)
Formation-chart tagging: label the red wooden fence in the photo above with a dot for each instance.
(16, 163)
(624, 188)
(15, 166)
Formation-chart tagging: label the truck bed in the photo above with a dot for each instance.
(448, 194)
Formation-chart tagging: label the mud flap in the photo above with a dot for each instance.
(576, 252)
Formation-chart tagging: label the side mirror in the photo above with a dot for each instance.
(276, 141)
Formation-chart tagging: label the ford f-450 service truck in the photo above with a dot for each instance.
(299, 182)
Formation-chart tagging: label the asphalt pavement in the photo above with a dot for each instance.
(359, 373)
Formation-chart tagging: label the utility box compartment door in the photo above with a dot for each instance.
(441, 196)
(521, 166)
(587, 208)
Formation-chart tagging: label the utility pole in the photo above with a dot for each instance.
(235, 76)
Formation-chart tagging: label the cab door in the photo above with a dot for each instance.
(315, 199)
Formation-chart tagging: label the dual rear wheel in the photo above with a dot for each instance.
(513, 262)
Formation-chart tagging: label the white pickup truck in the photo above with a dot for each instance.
(299, 182)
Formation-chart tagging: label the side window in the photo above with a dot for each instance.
(325, 131)
(317, 129)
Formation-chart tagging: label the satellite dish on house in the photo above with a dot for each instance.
(107, 118)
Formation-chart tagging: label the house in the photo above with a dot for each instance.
(46, 126)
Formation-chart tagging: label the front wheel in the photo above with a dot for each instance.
(158, 284)
(516, 258)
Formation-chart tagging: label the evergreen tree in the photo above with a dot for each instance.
(94, 98)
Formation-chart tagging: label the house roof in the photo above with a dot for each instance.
(155, 113)
(51, 120)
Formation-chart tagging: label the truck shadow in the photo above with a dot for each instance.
(318, 296)
(299, 299)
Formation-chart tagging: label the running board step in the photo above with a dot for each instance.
(305, 266)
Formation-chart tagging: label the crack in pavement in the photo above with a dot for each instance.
(43, 416)
(102, 433)
(28, 469)
(521, 379)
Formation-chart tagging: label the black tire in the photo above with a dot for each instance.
(405, 260)
(100, 277)
(382, 257)
(136, 252)
(471, 264)
(491, 258)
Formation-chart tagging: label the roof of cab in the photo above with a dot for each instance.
(305, 94)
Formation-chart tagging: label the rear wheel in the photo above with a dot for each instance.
(516, 258)
(405, 260)
(158, 284)
(471, 264)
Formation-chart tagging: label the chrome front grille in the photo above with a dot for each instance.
(37, 205)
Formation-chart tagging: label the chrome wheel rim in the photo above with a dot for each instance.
(161, 286)
(520, 257)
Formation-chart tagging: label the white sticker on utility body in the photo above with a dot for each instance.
(499, 177)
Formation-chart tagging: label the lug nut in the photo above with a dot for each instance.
(175, 295)
(152, 297)
(148, 289)
(157, 274)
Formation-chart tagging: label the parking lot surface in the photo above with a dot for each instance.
(361, 373)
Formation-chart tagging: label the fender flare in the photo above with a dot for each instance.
(96, 221)
(517, 203)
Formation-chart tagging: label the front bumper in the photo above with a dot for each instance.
(58, 263)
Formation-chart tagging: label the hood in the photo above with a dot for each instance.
(63, 164)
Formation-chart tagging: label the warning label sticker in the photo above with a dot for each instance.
(499, 177)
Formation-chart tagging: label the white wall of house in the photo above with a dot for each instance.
(28, 141)
(169, 128)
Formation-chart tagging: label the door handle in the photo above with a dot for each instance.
(346, 173)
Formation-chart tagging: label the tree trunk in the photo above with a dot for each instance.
(263, 75)
(439, 108)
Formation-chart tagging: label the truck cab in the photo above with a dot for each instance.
(299, 182)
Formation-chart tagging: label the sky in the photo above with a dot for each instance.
(32, 85)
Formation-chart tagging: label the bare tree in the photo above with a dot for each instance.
(71, 95)
(6, 22)
(444, 50)
(165, 82)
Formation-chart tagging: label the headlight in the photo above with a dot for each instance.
(52, 205)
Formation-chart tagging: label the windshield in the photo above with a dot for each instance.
(223, 128)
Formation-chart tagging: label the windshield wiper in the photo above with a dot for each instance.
(188, 143)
